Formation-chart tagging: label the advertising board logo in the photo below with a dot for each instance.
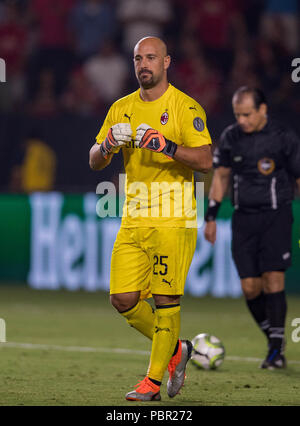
(71, 248)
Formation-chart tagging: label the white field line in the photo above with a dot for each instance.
(107, 350)
(71, 348)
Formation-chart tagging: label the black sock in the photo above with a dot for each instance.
(276, 310)
(156, 382)
(257, 307)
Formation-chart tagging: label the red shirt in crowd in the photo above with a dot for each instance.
(12, 45)
(211, 20)
(52, 17)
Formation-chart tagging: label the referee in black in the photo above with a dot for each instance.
(261, 160)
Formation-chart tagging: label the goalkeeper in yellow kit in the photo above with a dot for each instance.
(163, 136)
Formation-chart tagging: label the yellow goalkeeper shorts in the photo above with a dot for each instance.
(152, 260)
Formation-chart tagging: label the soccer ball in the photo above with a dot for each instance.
(208, 351)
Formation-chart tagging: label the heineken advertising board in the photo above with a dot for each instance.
(54, 240)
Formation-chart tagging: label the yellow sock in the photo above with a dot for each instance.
(166, 333)
(142, 318)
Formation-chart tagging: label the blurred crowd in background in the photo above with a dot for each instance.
(67, 61)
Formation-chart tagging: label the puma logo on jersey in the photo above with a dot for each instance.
(128, 116)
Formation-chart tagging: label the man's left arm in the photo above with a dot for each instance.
(197, 158)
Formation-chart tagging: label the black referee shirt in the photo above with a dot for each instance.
(264, 165)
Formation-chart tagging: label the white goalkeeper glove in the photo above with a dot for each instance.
(117, 136)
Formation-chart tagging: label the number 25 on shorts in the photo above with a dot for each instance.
(159, 265)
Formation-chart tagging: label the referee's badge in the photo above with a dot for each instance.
(266, 166)
(164, 118)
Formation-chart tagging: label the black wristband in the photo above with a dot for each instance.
(170, 148)
(212, 210)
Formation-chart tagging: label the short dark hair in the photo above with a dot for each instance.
(257, 95)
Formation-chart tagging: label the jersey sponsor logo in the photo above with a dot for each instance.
(193, 107)
(237, 158)
(131, 144)
(286, 255)
(164, 118)
(198, 124)
(266, 166)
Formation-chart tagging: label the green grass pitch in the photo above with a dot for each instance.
(81, 352)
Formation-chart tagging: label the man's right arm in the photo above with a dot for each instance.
(118, 135)
(220, 183)
(217, 191)
(97, 161)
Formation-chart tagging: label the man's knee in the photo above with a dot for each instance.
(251, 287)
(161, 299)
(122, 302)
(273, 281)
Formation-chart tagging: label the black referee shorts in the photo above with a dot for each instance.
(261, 242)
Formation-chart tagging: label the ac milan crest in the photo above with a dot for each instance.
(164, 118)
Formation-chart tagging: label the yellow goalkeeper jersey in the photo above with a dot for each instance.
(159, 191)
